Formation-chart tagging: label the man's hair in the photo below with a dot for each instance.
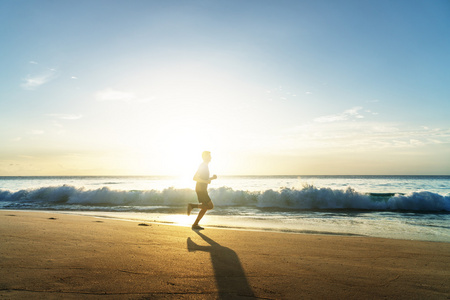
(206, 154)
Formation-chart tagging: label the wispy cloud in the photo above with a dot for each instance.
(344, 116)
(110, 94)
(37, 132)
(57, 124)
(280, 93)
(31, 82)
(351, 136)
(66, 116)
(39, 75)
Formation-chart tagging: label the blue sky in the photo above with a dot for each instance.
(270, 87)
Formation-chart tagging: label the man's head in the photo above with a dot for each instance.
(206, 155)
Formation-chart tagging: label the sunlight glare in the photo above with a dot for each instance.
(180, 150)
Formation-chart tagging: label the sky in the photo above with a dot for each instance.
(269, 87)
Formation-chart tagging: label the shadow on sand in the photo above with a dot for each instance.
(229, 274)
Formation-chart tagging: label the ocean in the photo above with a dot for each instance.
(401, 207)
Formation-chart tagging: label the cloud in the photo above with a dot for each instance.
(359, 136)
(57, 124)
(74, 77)
(39, 76)
(344, 116)
(33, 82)
(280, 93)
(66, 116)
(371, 112)
(37, 132)
(110, 94)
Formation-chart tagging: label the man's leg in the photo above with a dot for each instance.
(191, 206)
(202, 198)
(204, 209)
(200, 216)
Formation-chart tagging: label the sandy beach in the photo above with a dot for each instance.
(50, 255)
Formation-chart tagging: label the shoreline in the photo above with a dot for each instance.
(243, 223)
(45, 254)
(96, 214)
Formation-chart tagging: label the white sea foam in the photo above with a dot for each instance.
(307, 198)
(419, 201)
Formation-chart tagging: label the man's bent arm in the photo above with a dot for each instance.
(201, 180)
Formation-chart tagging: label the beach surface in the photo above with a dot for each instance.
(52, 256)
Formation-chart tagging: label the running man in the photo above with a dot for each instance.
(201, 188)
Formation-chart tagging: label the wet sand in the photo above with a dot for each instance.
(53, 256)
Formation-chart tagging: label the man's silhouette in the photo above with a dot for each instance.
(201, 188)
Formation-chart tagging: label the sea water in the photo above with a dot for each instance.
(403, 207)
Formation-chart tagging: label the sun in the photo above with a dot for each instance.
(175, 150)
(185, 156)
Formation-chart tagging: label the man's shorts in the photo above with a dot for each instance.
(203, 197)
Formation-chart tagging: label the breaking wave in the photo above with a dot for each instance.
(307, 198)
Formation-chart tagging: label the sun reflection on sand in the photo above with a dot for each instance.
(181, 220)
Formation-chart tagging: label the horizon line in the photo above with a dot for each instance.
(230, 175)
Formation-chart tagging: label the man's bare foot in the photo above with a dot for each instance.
(197, 227)
(189, 209)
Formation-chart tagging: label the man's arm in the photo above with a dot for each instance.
(201, 180)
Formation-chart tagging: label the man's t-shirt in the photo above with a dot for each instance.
(203, 173)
